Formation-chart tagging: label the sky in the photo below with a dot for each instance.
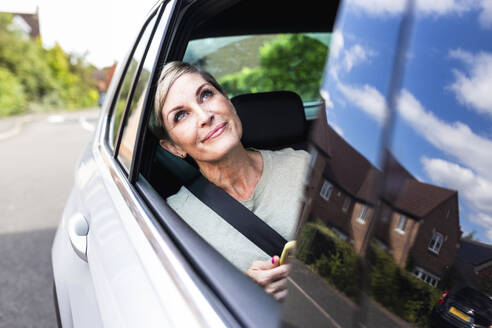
(443, 125)
(102, 29)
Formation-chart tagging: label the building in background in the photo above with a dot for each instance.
(418, 223)
(474, 264)
(28, 23)
(103, 77)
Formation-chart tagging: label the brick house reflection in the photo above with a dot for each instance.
(418, 223)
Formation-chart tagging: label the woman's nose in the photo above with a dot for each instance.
(206, 117)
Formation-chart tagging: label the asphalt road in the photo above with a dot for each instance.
(38, 156)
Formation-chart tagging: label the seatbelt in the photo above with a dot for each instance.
(237, 215)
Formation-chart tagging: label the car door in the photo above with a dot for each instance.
(126, 282)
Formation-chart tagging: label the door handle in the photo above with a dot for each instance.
(78, 228)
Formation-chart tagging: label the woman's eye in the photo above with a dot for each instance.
(206, 94)
(179, 116)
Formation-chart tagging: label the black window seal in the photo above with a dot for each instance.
(121, 78)
(148, 104)
(136, 77)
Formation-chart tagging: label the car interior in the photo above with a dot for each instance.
(271, 120)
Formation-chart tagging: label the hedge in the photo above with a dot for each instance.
(335, 260)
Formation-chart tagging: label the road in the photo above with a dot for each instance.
(38, 156)
(314, 303)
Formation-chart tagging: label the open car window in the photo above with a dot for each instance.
(266, 62)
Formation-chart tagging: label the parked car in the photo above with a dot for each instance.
(396, 157)
(464, 307)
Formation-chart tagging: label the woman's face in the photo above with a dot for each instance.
(200, 121)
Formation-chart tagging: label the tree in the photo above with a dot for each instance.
(12, 97)
(470, 236)
(45, 78)
(289, 62)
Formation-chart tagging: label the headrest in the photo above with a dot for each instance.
(271, 119)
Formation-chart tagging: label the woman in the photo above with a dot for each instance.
(194, 117)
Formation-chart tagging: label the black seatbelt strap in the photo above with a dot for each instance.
(237, 215)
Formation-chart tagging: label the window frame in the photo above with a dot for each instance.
(362, 216)
(135, 80)
(326, 190)
(433, 247)
(121, 78)
(423, 274)
(404, 219)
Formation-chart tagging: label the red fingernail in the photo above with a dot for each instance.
(273, 260)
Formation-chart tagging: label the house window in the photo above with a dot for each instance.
(346, 204)
(436, 243)
(426, 276)
(402, 224)
(362, 214)
(326, 190)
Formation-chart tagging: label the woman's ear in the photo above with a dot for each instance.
(172, 148)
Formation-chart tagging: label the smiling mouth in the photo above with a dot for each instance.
(217, 131)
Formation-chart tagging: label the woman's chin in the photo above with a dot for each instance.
(219, 149)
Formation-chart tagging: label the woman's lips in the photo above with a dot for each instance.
(217, 131)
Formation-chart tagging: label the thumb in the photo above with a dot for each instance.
(266, 265)
(275, 262)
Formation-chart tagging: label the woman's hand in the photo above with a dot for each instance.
(271, 276)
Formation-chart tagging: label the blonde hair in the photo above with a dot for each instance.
(170, 73)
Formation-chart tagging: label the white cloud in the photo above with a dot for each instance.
(485, 17)
(342, 58)
(336, 44)
(393, 7)
(442, 7)
(428, 7)
(476, 189)
(485, 221)
(380, 7)
(473, 179)
(474, 89)
(367, 98)
(355, 55)
(326, 97)
(456, 139)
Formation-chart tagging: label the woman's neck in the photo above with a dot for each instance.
(238, 173)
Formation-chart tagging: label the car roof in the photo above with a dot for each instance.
(293, 16)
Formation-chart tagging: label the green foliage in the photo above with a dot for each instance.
(399, 291)
(12, 97)
(49, 78)
(331, 258)
(393, 287)
(288, 62)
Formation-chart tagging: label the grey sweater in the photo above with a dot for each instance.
(276, 200)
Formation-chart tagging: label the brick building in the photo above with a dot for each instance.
(417, 223)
